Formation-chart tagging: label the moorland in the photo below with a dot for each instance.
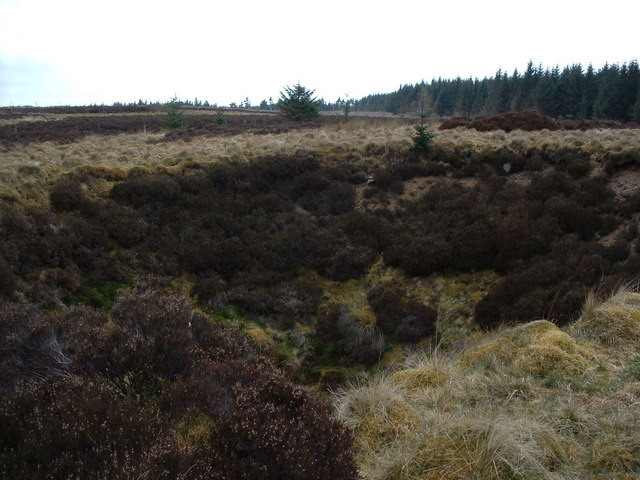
(251, 297)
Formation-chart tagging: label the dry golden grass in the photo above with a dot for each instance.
(530, 402)
(25, 170)
(472, 446)
(535, 348)
(594, 142)
(616, 321)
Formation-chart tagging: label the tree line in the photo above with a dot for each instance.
(611, 92)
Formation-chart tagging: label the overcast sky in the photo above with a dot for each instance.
(77, 52)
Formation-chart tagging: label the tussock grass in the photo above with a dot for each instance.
(378, 413)
(370, 142)
(530, 402)
(457, 447)
(535, 348)
(615, 322)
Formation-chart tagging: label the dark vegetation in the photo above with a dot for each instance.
(71, 129)
(399, 316)
(105, 373)
(354, 342)
(247, 231)
(609, 93)
(298, 103)
(528, 121)
(151, 389)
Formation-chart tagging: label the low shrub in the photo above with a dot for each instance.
(574, 217)
(160, 323)
(630, 204)
(529, 120)
(578, 167)
(122, 224)
(265, 427)
(7, 279)
(399, 316)
(67, 194)
(357, 342)
(145, 189)
(418, 255)
(63, 428)
(154, 389)
(348, 262)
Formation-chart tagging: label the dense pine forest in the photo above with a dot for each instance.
(611, 92)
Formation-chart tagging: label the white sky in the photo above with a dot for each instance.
(100, 51)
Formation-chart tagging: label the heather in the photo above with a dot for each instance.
(178, 304)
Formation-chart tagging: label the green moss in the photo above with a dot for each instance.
(99, 296)
(324, 352)
(226, 314)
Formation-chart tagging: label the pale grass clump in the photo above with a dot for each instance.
(378, 414)
(420, 423)
(615, 321)
(410, 431)
(535, 348)
(530, 402)
(476, 445)
(422, 370)
(595, 143)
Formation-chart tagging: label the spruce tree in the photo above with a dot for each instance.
(605, 103)
(298, 103)
(634, 112)
(589, 93)
(175, 117)
(423, 136)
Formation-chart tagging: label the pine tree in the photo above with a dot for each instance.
(498, 100)
(547, 100)
(298, 103)
(605, 103)
(589, 93)
(569, 91)
(175, 117)
(423, 135)
(635, 109)
(630, 95)
(528, 84)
